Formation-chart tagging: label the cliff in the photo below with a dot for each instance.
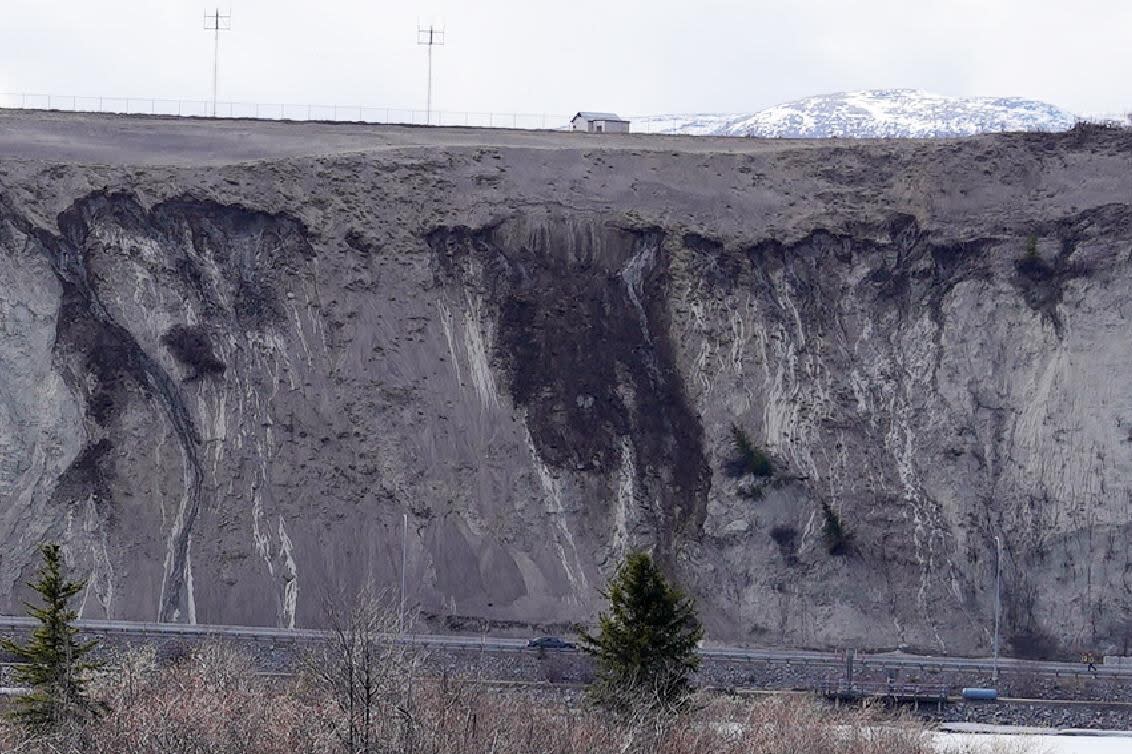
(234, 355)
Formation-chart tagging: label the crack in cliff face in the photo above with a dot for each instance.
(210, 254)
(580, 314)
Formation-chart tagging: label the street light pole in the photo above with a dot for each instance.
(404, 558)
(997, 598)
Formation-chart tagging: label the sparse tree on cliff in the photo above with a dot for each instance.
(53, 665)
(748, 458)
(646, 644)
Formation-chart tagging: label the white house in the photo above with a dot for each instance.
(599, 123)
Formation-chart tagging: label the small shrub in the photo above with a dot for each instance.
(191, 346)
(748, 458)
(834, 531)
(1031, 264)
(786, 537)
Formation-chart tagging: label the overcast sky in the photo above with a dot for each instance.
(631, 56)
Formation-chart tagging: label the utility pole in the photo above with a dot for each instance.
(216, 22)
(431, 37)
(404, 559)
(997, 598)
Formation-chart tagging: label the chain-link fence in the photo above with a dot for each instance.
(190, 108)
(195, 108)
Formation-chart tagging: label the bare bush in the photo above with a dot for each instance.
(457, 717)
(210, 703)
(214, 703)
(368, 671)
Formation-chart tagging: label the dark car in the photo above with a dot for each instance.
(549, 642)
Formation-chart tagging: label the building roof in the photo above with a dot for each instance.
(599, 116)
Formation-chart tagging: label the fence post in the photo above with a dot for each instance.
(514, 120)
(49, 102)
(23, 101)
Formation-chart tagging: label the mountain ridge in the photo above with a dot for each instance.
(873, 113)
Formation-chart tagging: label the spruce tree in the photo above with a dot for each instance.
(646, 646)
(52, 661)
(748, 458)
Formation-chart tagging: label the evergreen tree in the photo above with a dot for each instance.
(646, 645)
(52, 661)
(748, 458)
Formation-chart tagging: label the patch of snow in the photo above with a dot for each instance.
(874, 113)
(699, 124)
(961, 743)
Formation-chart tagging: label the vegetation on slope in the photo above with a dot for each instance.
(646, 643)
(212, 702)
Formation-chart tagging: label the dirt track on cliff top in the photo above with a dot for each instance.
(115, 139)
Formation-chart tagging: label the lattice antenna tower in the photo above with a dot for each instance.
(430, 36)
(216, 22)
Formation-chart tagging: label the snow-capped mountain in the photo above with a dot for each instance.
(874, 113)
(1110, 119)
(697, 124)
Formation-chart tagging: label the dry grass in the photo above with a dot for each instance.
(213, 703)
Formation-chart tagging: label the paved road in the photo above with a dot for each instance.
(504, 644)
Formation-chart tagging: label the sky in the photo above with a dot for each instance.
(634, 57)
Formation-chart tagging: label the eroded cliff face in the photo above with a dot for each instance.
(222, 387)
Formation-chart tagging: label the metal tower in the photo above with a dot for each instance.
(216, 22)
(431, 37)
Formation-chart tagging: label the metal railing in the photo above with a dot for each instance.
(203, 108)
(932, 691)
(200, 108)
